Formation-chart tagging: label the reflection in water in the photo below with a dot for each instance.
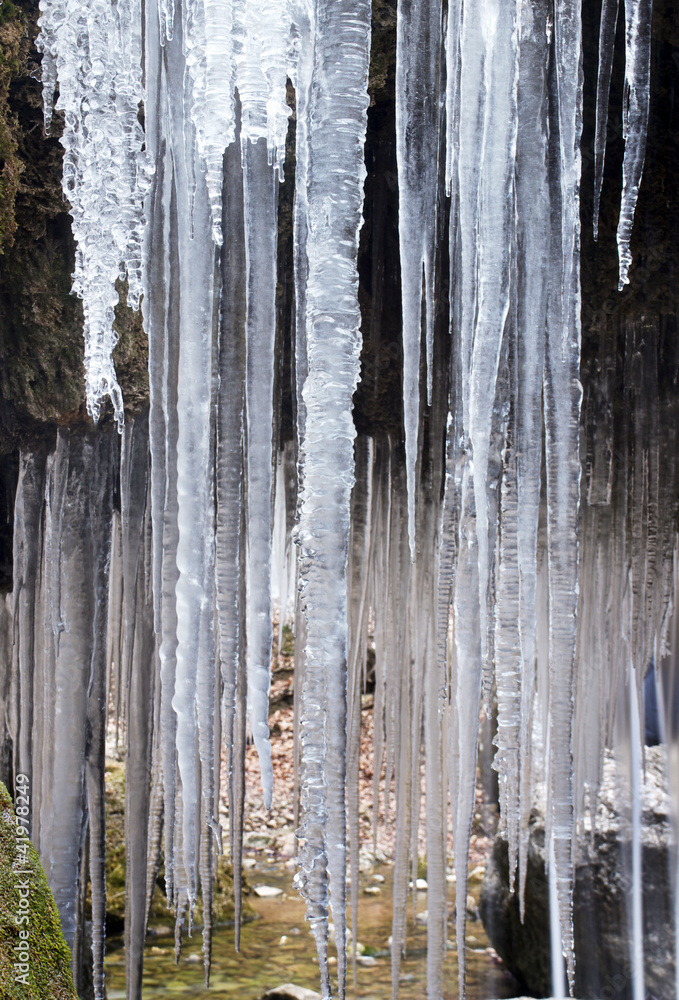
(278, 948)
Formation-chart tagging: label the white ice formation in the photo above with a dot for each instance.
(455, 545)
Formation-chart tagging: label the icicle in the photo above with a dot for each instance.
(139, 649)
(27, 544)
(93, 51)
(338, 90)
(259, 192)
(229, 556)
(418, 115)
(358, 583)
(638, 17)
(532, 249)
(508, 663)
(194, 460)
(562, 419)
(609, 22)
(208, 44)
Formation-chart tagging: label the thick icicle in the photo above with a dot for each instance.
(93, 51)
(335, 158)
(208, 39)
(194, 456)
(532, 248)
(562, 419)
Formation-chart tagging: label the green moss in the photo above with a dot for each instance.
(49, 972)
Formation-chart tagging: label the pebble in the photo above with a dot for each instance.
(378, 878)
(268, 891)
(366, 960)
(421, 918)
(372, 890)
(194, 959)
(249, 863)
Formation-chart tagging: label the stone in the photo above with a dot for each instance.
(289, 991)
(256, 840)
(602, 886)
(267, 891)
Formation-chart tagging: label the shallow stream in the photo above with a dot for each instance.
(278, 948)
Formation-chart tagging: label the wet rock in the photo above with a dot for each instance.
(602, 890)
(256, 839)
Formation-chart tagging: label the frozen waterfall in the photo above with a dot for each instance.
(511, 545)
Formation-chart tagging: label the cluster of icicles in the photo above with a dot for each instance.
(461, 561)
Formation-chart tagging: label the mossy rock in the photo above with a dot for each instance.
(222, 908)
(47, 973)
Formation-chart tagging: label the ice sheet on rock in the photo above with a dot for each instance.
(93, 51)
(68, 683)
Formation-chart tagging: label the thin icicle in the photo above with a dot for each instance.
(532, 248)
(418, 117)
(562, 419)
(609, 22)
(259, 191)
(638, 18)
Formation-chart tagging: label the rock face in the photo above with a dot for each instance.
(601, 898)
(29, 921)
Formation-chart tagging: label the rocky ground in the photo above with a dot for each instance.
(273, 832)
